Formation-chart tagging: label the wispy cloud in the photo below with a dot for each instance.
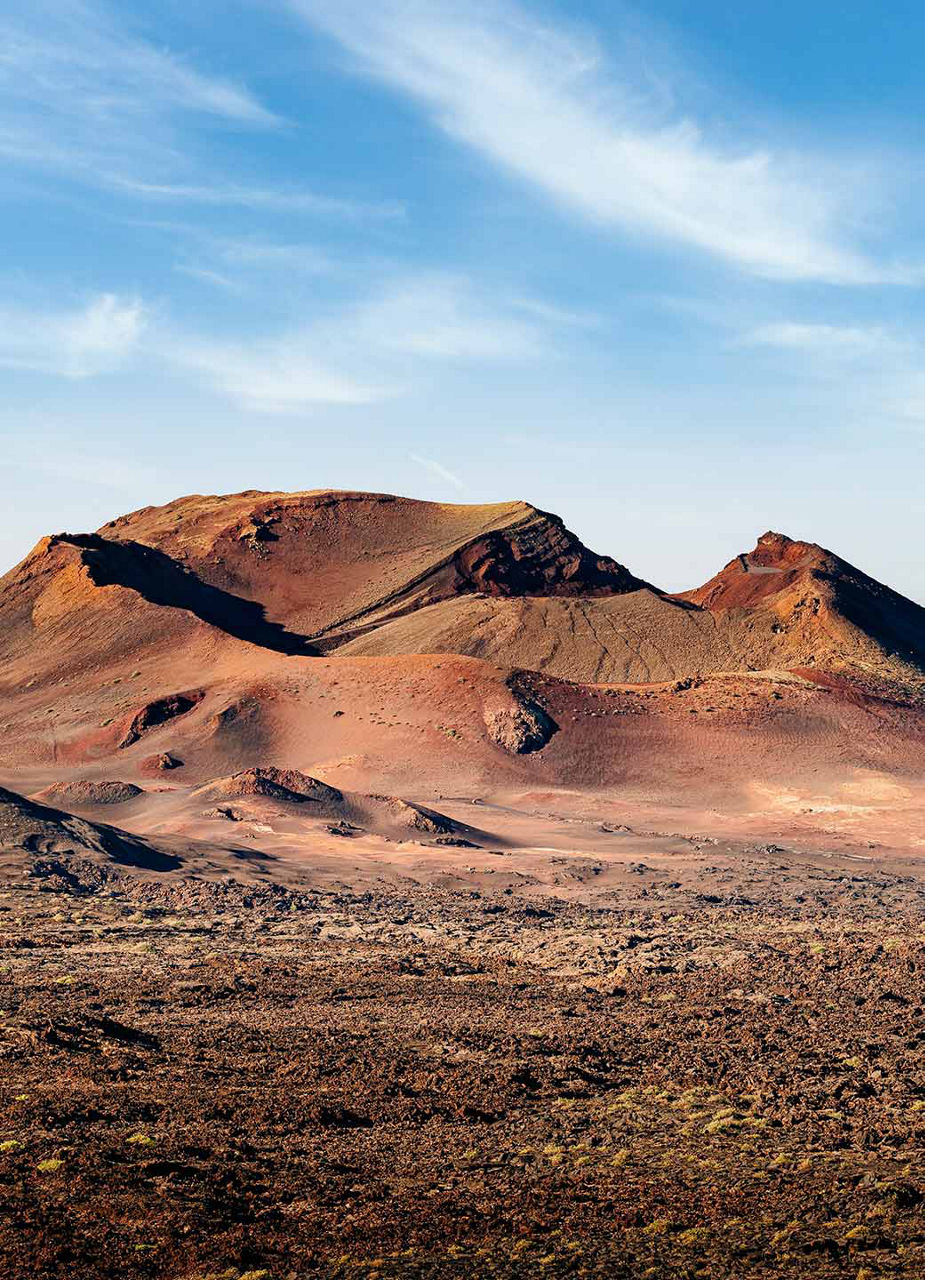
(239, 266)
(207, 276)
(439, 471)
(282, 375)
(443, 317)
(355, 352)
(84, 97)
(361, 352)
(80, 343)
(74, 58)
(263, 255)
(546, 106)
(561, 317)
(868, 373)
(827, 339)
(279, 199)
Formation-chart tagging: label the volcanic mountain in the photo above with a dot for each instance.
(290, 573)
(826, 612)
(381, 644)
(786, 605)
(370, 574)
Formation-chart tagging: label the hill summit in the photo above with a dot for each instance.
(362, 574)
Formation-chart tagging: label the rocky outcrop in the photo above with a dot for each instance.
(275, 784)
(751, 577)
(162, 762)
(539, 556)
(158, 712)
(520, 728)
(413, 817)
(87, 794)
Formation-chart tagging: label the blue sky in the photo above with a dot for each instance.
(659, 269)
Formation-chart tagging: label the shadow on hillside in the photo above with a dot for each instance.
(159, 579)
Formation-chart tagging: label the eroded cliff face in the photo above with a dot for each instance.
(539, 557)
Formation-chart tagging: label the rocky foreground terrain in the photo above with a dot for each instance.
(715, 1073)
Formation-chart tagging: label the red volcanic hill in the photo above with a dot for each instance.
(784, 606)
(829, 613)
(289, 573)
(372, 575)
(324, 565)
(379, 643)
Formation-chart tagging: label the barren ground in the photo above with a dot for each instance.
(643, 1057)
(351, 927)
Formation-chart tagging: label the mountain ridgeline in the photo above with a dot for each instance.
(371, 575)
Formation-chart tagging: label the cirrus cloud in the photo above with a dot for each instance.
(545, 106)
(77, 343)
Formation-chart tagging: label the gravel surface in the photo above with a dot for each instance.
(216, 1081)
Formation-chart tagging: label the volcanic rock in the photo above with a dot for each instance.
(159, 712)
(162, 762)
(86, 794)
(276, 784)
(521, 728)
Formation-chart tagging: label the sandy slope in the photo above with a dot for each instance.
(774, 757)
(786, 605)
